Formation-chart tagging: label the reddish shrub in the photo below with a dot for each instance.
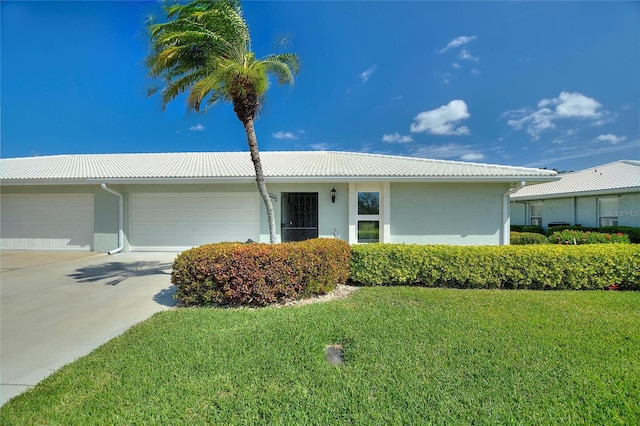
(259, 274)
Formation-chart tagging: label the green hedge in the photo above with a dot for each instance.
(526, 238)
(525, 267)
(552, 229)
(527, 228)
(580, 237)
(633, 233)
(259, 274)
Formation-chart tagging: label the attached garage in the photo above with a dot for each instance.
(172, 221)
(47, 221)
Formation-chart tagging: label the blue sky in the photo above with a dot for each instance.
(541, 84)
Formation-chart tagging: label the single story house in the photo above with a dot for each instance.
(174, 201)
(606, 195)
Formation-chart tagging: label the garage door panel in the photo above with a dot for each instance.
(47, 221)
(152, 229)
(179, 221)
(228, 215)
(223, 228)
(161, 215)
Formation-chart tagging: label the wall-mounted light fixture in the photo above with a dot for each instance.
(333, 195)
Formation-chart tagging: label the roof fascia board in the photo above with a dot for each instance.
(283, 179)
(444, 179)
(578, 194)
(47, 182)
(170, 180)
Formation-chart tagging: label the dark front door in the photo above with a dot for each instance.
(299, 216)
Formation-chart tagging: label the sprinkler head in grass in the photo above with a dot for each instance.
(334, 354)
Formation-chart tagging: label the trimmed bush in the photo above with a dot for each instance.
(523, 267)
(533, 229)
(552, 229)
(579, 238)
(259, 274)
(633, 233)
(528, 228)
(526, 238)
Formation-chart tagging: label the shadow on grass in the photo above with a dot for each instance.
(116, 272)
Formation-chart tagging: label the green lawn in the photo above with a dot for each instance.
(413, 356)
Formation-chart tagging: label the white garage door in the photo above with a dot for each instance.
(47, 222)
(180, 221)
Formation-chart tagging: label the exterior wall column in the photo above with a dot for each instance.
(386, 213)
(353, 212)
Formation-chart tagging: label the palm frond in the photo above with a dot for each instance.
(181, 85)
(284, 66)
(209, 85)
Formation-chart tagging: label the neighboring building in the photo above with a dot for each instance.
(605, 195)
(174, 201)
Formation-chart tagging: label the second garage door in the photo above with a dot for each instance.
(179, 221)
(47, 221)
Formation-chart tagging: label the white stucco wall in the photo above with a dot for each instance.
(446, 213)
(586, 211)
(557, 210)
(629, 210)
(518, 213)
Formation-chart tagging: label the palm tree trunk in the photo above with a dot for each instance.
(262, 187)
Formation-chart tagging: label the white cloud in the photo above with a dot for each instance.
(573, 105)
(472, 156)
(197, 128)
(445, 77)
(612, 139)
(449, 150)
(457, 42)
(442, 121)
(580, 151)
(465, 55)
(320, 146)
(284, 135)
(535, 122)
(364, 75)
(396, 138)
(566, 106)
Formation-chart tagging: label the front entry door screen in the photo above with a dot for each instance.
(299, 216)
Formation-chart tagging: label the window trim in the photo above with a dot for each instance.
(384, 216)
(368, 217)
(536, 217)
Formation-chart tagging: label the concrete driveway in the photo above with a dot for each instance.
(58, 306)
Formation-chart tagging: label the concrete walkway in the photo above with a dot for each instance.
(58, 306)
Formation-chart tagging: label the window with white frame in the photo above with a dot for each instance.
(535, 213)
(368, 216)
(608, 211)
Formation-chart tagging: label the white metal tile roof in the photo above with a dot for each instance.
(622, 175)
(291, 165)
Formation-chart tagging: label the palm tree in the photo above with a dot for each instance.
(204, 51)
